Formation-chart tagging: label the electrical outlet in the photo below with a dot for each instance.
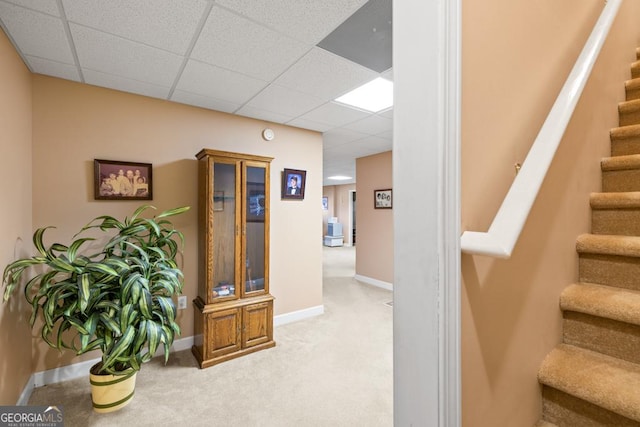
(182, 302)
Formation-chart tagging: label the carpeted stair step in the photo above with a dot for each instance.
(625, 140)
(621, 173)
(615, 213)
(569, 411)
(603, 319)
(609, 260)
(635, 69)
(632, 89)
(629, 112)
(595, 379)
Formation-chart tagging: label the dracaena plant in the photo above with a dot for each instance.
(118, 299)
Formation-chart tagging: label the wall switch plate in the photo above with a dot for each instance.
(182, 302)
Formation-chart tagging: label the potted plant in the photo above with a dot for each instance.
(114, 294)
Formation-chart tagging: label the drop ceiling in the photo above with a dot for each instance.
(282, 61)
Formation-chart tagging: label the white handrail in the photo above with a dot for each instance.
(509, 221)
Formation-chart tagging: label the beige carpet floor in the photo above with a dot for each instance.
(329, 370)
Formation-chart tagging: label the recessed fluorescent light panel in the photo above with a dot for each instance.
(340, 177)
(377, 95)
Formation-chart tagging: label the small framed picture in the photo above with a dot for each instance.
(325, 203)
(382, 199)
(121, 180)
(293, 182)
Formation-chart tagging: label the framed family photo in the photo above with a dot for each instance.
(382, 199)
(121, 180)
(293, 182)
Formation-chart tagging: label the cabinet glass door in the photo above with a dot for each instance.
(256, 218)
(224, 224)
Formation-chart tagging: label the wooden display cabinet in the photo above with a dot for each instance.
(233, 309)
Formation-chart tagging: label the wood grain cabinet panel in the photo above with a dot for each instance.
(223, 327)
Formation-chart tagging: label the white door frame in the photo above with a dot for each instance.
(426, 144)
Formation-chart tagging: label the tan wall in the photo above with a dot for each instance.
(15, 215)
(74, 123)
(339, 196)
(515, 59)
(374, 227)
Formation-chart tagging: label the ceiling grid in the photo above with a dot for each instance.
(281, 61)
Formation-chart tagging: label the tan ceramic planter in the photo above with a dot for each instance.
(111, 392)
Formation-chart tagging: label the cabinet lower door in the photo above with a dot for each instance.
(258, 324)
(223, 330)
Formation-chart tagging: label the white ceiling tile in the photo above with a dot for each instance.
(334, 114)
(387, 74)
(123, 84)
(371, 125)
(46, 6)
(338, 163)
(53, 68)
(284, 101)
(204, 102)
(388, 113)
(214, 82)
(331, 156)
(386, 134)
(36, 34)
(259, 114)
(235, 43)
(307, 21)
(166, 24)
(335, 167)
(372, 145)
(309, 124)
(325, 75)
(339, 136)
(117, 56)
(342, 182)
(347, 150)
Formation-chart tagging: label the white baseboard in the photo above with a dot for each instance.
(375, 282)
(295, 316)
(26, 393)
(79, 370)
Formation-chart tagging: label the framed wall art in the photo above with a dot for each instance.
(293, 182)
(382, 199)
(121, 180)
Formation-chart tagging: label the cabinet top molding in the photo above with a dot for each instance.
(208, 152)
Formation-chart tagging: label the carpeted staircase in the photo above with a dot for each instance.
(593, 377)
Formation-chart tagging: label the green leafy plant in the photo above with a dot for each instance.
(118, 300)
